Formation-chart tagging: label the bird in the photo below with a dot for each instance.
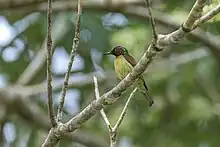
(123, 64)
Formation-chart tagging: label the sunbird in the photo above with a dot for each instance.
(124, 63)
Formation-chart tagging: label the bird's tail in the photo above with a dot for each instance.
(147, 96)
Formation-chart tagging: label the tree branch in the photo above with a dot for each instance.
(49, 63)
(75, 46)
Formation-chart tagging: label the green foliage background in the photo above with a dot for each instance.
(186, 110)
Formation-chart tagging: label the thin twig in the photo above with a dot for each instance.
(49, 62)
(97, 95)
(75, 46)
(151, 19)
(121, 117)
(207, 16)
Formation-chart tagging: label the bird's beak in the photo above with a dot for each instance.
(108, 53)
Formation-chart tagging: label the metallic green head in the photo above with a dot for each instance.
(117, 51)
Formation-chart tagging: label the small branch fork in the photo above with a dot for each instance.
(113, 130)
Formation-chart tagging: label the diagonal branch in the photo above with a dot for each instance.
(49, 68)
(75, 46)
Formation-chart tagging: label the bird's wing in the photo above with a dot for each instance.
(133, 62)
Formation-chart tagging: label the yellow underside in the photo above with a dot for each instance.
(122, 67)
